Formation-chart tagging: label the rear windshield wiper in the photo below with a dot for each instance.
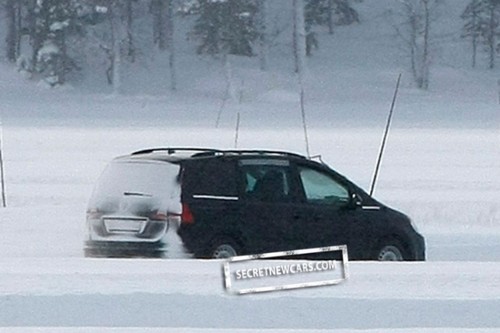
(137, 194)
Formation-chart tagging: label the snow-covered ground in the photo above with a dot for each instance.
(441, 167)
(45, 282)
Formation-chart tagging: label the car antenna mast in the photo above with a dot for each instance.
(303, 114)
(2, 177)
(384, 139)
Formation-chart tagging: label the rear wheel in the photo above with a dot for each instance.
(224, 248)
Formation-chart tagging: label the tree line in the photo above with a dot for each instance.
(49, 30)
(482, 27)
(45, 37)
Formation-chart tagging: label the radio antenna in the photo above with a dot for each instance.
(237, 130)
(304, 122)
(2, 176)
(384, 139)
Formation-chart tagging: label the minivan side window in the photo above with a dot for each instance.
(265, 182)
(320, 188)
(212, 177)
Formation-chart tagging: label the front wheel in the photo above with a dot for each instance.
(391, 250)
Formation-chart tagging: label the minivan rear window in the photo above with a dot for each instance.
(154, 181)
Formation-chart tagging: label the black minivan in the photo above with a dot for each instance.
(235, 202)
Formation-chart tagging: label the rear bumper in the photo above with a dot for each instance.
(147, 242)
(151, 232)
(123, 249)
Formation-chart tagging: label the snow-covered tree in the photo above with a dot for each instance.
(482, 25)
(53, 19)
(341, 12)
(225, 26)
(326, 13)
(490, 31)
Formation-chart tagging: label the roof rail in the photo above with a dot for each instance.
(173, 150)
(263, 152)
(202, 151)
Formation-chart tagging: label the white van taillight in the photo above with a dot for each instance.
(186, 215)
(93, 214)
(158, 216)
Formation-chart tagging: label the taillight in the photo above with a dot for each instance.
(93, 214)
(158, 216)
(186, 215)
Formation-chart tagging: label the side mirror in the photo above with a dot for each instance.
(356, 201)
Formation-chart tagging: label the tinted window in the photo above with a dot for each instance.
(321, 188)
(215, 177)
(266, 181)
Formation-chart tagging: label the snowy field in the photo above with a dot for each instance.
(441, 167)
(453, 199)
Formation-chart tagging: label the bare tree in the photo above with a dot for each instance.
(425, 59)
(328, 13)
(163, 23)
(472, 26)
(415, 30)
(171, 44)
(129, 28)
(35, 38)
(263, 34)
(491, 33)
(299, 37)
(163, 33)
(118, 35)
(482, 26)
(12, 40)
(331, 24)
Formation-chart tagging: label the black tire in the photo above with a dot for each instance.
(391, 249)
(223, 248)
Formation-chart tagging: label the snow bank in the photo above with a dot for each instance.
(189, 293)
